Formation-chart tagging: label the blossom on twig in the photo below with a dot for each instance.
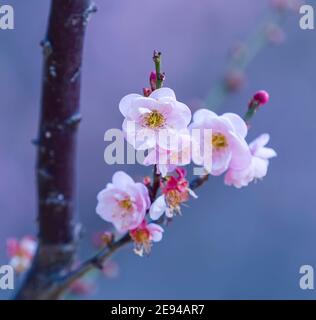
(175, 191)
(123, 202)
(144, 235)
(229, 148)
(146, 116)
(258, 166)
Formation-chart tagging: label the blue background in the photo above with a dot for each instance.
(229, 244)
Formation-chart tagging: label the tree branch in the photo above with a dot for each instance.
(62, 51)
(102, 256)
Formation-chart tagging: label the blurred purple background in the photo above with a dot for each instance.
(230, 244)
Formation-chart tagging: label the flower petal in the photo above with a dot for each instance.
(266, 153)
(238, 123)
(126, 103)
(156, 232)
(158, 208)
(122, 180)
(163, 93)
(259, 142)
(144, 193)
(202, 114)
(241, 156)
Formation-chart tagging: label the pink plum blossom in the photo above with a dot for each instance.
(21, 252)
(146, 117)
(123, 202)
(144, 235)
(258, 166)
(229, 148)
(175, 192)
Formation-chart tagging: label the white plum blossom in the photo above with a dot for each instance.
(229, 148)
(148, 117)
(258, 166)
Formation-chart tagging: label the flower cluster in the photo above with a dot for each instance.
(164, 127)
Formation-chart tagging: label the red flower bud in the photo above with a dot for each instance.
(146, 92)
(153, 80)
(261, 97)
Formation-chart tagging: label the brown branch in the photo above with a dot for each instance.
(96, 262)
(155, 185)
(62, 50)
(198, 182)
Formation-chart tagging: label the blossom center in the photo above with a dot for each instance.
(141, 236)
(219, 141)
(154, 120)
(174, 198)
(126, 204)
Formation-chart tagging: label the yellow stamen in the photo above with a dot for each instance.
(154, 120)
(219, 141)
(174, 198)
(126, 204)
(141, 236)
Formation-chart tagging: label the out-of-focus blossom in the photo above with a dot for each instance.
(291, 5)
(102, 239)
(258, 167)
(234, 80)
(86, 285)
(238, 51)
(21, 252)
(110, 269)
(229, 148)
(274, 34)
(81, 287)
(144, 235)
(175, 192)
(145, 117)
(123, 202)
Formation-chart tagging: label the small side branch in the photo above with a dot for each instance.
(102, 256)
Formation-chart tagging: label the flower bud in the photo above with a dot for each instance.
(146, 92)
(261, 97)
(153, 80)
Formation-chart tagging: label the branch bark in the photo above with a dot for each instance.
(62, 51)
